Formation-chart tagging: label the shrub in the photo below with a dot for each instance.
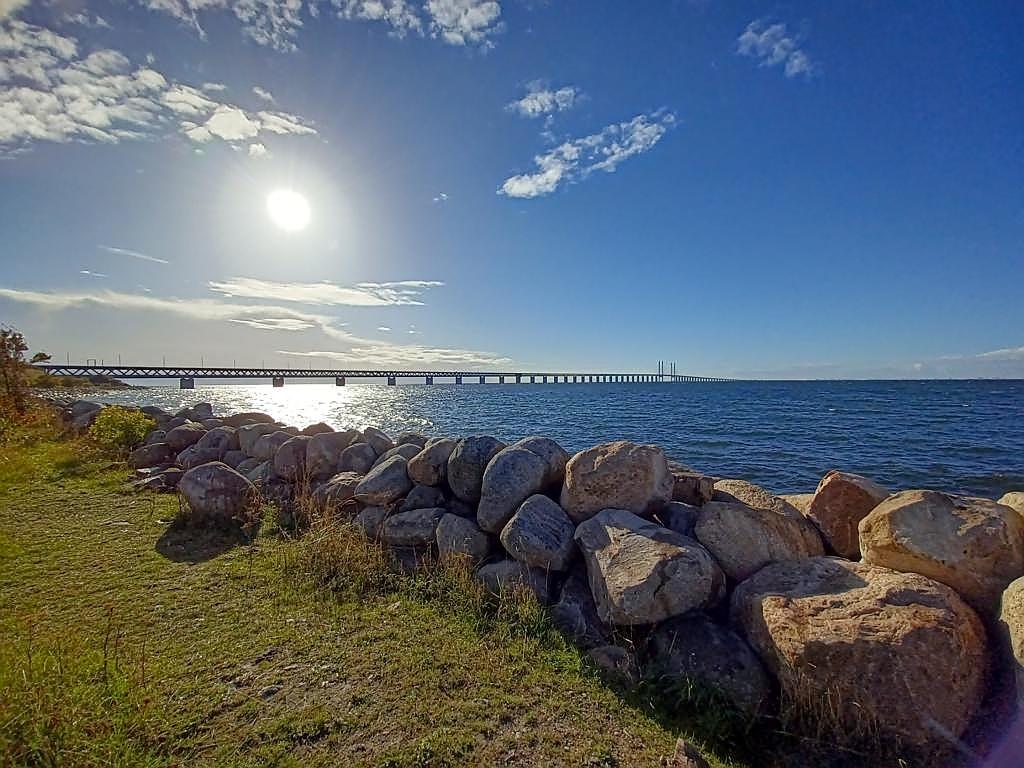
(120, 429)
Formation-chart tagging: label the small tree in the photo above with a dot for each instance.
(120, 429)
(12, 367)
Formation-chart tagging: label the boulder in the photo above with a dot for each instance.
(234, 458)
(246, 466)
(155, 411)
(430, 466)
(379, 441)
(218, 440)
(317, 429)
(467, 463)
(216, 494)
(414, 530)
(154, 455)
(184, 436)
(690, 487)
(461, 536)
(358, 457)
(211, 423)
(411, 438)
(248, 434)
(164, 481)
(370, 520)
(193, 457)
(175, 422)
(733, 491)
(261, 472)
(247, 417)
(616, 662)
(323, 453)
(539, 534)
(743, 538)
(841, 501)
(641, 573)
(506, 577)
(881, 649)
(385, 483)
(685, 756)
(511, 476)
(337, 490)
(693, 649)
(266, 446)
(619, 475)
(290, 459)
(407, 452)
(975, 546)
(1014, 500)
(575, 613)
(1011, 625)
(679, 517)
(202, 410)
(155, 436)
(554, 455)
(422, 497)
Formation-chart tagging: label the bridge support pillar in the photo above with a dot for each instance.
(277, 381)
(543, 379)
(519, 379)
(430, 380)
(458, 379)
(391, 381)
(483, 379)
(339, 381)
(501, 379)
(533, 379)
(186, 382)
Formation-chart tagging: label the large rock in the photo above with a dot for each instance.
(336, 491)
(506, 577)
(184, 436)
(1014, 500)
(513, 475)
(467, 463)
(694, 649)
(679, 517)
(841, 501)
(539, 534)
(641, 573)
(249, 434)
(690, 487)
(290, 459)
(234, 458)
(411, 438)
(155, 436)
(1011, 624)
(896, 651)
(461, 536)
(358, 457)
(266, 447)
(216, 494)
(430, 466)
(422, 497)
(154, 455)
(317, 429)
(974, 545)
(219, 439)
(743, 538)
(575, 613)
(193, 457)
(619, 475)
(554, 455)
(370, 521)
(385, 483)
(378, 440)
(416, 529)
(406, 451)
(246, 466)
(323, 453)
(238, 420)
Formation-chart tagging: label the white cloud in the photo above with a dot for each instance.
(441, 197)
(49, 91)
(91, 274)
(133, 254)
(263, 93)
(464, 22)
(213, 87)
(383, 328)
(258, 150)
(771, 46)
(80, 19)
(9, 7)
(276, 323)
(541, 100)
(578, 158)
(400, 15)
(409, 356)
(400, 293)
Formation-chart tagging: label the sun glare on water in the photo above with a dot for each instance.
(288, 209)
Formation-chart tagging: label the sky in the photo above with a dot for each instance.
(748, 189)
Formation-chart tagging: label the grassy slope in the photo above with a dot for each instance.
(125, 643)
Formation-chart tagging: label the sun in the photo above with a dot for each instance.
(288, 209)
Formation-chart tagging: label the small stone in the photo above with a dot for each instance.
(685, 756)
(616, 662)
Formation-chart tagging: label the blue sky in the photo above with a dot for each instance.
(793, 190)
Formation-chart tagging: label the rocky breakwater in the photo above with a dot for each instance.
(853, 610)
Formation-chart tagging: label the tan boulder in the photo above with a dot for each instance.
(858, 647)
(840, 503)
(799, 500)
(619, 475)
(1014, 500)
(975, 546)
(1011, 623)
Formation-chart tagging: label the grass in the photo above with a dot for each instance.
(127, 639)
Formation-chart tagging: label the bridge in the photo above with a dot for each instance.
(187, 375)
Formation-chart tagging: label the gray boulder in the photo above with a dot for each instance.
(323, 453)
(193, 457)
(405, 451)
(506, 577)
(467, 463)
(219, 440)
(290, 459)
(415, 530)
(154, 455)
(575, 613)
(317, 429)
(358, 457)
(430, 465)
(216, 494)
(461, 536)
(184, 436)
(540, 534)
(246, 466)
(693, 648)
(381, 442)
(411, 438)
(267, 445)
(202, 410)
(679, 517)
(422, 497)
(385, 483)
(553, 454)
(512, 476)
(337, 490)
(211, 423)
(369, 521)
(155, 436)
(247, 417)
(234, 458)
(642, 573)
(249, 434)
(262, 472)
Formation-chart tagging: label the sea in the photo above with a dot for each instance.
(958, 436)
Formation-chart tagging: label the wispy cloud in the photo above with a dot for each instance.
(464, 22)
(258, 150)
(578, 158)
(400, 293)
(8, 7)
(52, 91)
(540, 100)
(407, 356)
(264, 94)
(383, 328)
(441, 197)
(771, 45)
(276, 323)
(89, 273)
(132, 254)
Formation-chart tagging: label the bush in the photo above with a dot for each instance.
(120, 429)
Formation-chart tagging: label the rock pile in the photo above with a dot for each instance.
(863, 608)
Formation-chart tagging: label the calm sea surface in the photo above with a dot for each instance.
(964, 436)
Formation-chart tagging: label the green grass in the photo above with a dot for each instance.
(128, 640)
